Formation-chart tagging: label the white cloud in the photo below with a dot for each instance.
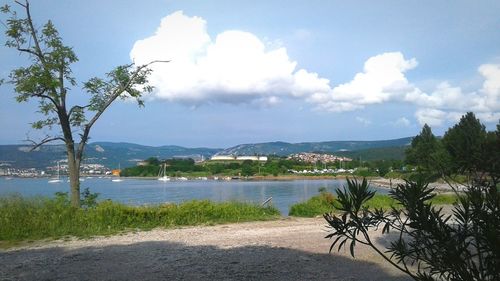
(238, 67)
(235, 67)
(363, 121)
(402, 122)
(431, 117)
(436, 117)
(382, 79)
(450, 103)
(491, 86)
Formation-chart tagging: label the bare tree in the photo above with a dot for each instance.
(48, 79)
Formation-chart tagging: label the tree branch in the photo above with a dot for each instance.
(116, 93)
(28, 51)
(21, 4)
(33, 32)
(75, 107)
(42, 95)
(47, 139)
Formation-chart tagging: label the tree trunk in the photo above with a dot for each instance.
(74, 176)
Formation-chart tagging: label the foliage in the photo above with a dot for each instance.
(48, 80)
(247, 168)
(40, 218)
(431, 244)
(396, 152)
(365, 172)
(89, 200)
(463, 248)
(173, 166)
(141, 171)
(326, 202)
(422, 149)
(473, 151)
(315, 206)
(394, 175)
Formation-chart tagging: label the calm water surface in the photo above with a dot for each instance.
(152, 191)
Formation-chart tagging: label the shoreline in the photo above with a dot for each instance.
(378, 181)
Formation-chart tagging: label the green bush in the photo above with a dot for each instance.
(317, 205)
(394, 175)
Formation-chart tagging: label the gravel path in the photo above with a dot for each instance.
(286, 249)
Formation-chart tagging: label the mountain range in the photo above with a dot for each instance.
(113, 154)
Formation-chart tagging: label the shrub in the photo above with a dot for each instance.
(430, 245)
(315, 206)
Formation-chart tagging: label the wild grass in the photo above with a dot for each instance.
(315, 206)
(38, 218)
(325, 202)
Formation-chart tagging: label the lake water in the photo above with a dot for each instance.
(152, 191)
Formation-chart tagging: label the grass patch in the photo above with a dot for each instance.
(380, 201)
(325, 202)
(317, 205)
(444, 199)
(23, 219)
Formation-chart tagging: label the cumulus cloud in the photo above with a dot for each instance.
(430, 116)
(237, 67)
(383, 78)
(448, 103)
(234, 67)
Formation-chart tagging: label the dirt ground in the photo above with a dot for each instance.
(286, 249)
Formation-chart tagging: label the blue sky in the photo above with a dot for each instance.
(257, 71)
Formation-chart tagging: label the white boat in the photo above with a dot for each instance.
(162, 174)
(58, 178)
(119, 169)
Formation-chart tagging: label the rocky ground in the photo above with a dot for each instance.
(438, 186)
(286, 249)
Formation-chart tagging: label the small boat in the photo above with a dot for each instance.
(119, 171)
(162, 174)
(58, 178)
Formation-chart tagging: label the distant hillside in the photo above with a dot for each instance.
(284, 148)
(106, 153)
(380, 153)
(127, 154)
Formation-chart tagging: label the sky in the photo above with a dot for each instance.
(260, 71)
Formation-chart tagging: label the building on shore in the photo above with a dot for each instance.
(317, 157)
(238, 158)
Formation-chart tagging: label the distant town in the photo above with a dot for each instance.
(61, 168)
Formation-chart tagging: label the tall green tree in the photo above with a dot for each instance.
(467, 144)
(49, 80)
(424, 150)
